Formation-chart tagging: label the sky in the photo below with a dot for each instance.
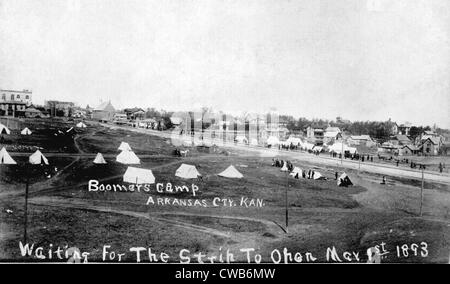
(358, 59)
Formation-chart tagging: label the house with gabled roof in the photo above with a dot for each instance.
(431, 146)
(400, 140)
(104, 112)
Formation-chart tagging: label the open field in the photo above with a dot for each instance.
(61, 210)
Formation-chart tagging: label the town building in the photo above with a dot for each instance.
(32, 112)
(331, 135)
(392, 126)
(120, 118)
(400, 140)
(364, 140)
(431, 146)
(13, 102)
(134, 113)
(388, 148)
(104, 112)
(445, 149)
(59, 108)
(407, 150)
(340, 120)
(404, 128)
(315, 135)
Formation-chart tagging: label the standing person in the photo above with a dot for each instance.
(398, 162)
(335, 175)
(440, 167)
(384, 180)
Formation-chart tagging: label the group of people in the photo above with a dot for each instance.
(290, 146)
(289, 167)
(281, 163)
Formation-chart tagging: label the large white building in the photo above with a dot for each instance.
(12, 101)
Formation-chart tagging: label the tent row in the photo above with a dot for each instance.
(337, 147)
(145, 176)
(342, 180)
(27, 131)
(5, 130)
(36, 159)
(297, 173)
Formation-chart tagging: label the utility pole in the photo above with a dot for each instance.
(286, 205)
(421, 195)
(26, 212)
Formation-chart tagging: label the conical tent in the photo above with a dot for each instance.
(99, 159)
(25, 131)
(296, 171)
(231, 172)
(138, 176)
(5, 158)
(4, 129)
(128, 158)
(187, 171)
(81, 125)
(272, 140)
(124, 146)
(318, 175)
(284, 168)
(38, 158)
(344, 180)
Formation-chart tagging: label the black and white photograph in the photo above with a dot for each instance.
(247, 132)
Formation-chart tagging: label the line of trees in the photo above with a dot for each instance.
(377, 129)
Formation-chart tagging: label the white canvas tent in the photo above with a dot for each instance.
(124, 146)
(4, 129)
(254, 142)
(318, 175)
(128, 158)
(25, 131)
(272, 140)
(294, 141)
(241, 139)
(5, 158)
(81, 125)
(231, 172)
(344, 180)
(187, 171)
(99, 159)
(318, 148)
(296, 171)
(138, 176)
(337, 147)
(284, 167)
(38, 158)
(308, 146)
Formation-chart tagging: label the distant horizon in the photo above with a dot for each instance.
(362, 60)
